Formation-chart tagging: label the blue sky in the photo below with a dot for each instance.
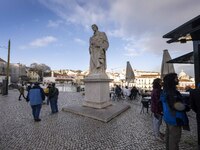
(57, 32)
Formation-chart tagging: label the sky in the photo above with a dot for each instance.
(57, 32)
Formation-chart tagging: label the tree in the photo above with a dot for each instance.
(40, 69)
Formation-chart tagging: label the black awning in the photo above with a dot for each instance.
(186, 32)
(184, 59)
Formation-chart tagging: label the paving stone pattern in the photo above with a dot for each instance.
(67, 131)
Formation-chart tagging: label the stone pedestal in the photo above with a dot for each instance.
(97, 104)
(97, 92)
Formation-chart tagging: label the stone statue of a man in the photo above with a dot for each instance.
(98, 46)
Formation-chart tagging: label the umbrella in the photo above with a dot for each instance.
(166, 67)
(130, 76)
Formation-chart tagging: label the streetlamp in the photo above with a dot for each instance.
(8, 69)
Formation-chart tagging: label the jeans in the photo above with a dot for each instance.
(22, 94)
(173, 136)
(54, 105)
(36, 110)
(157, 121)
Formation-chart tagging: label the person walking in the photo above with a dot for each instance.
(118, 92)
(156, 109)
(174, 111)
(28, 89)
(53, 98)
(134, 93)
(126, 92)
(46, 91)
(36, 96)
(21, 92)
(195, 105)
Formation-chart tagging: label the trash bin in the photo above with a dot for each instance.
(4, 88)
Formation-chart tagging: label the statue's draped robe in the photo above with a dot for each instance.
(98, 46)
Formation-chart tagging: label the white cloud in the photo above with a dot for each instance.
(40, 42)
(138, 17)
(44, 41)
(56, 23)
(147, 21)
(129, 16)
(79, 12)
(143, 21)
(134, 47)
(80, 41)
(116, 33)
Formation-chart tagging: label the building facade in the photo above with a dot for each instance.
(185, 81)
(143, 79)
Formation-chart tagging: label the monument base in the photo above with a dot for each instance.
(97, 105)
(97, 92)
(104, 115)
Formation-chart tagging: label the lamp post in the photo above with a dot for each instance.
(8, 69)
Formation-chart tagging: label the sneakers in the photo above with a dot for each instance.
(37, 120)
(160, 138)
(162, 134)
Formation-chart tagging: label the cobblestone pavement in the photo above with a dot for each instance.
(66, 131)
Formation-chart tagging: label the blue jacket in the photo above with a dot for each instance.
(173, 117)
(36, 95)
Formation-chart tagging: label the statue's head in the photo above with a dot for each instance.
(94, 27)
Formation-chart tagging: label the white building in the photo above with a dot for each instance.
(185, 81)
(2, 70)
(144, 79)
(17, 72)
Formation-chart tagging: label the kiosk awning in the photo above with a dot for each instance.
(189, 31)
(184, 59)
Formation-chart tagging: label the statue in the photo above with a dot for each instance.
(98, 46)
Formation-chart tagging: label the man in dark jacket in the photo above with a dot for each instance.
(36, 96)
(195, 105)
(53, 98)
(134, 92)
